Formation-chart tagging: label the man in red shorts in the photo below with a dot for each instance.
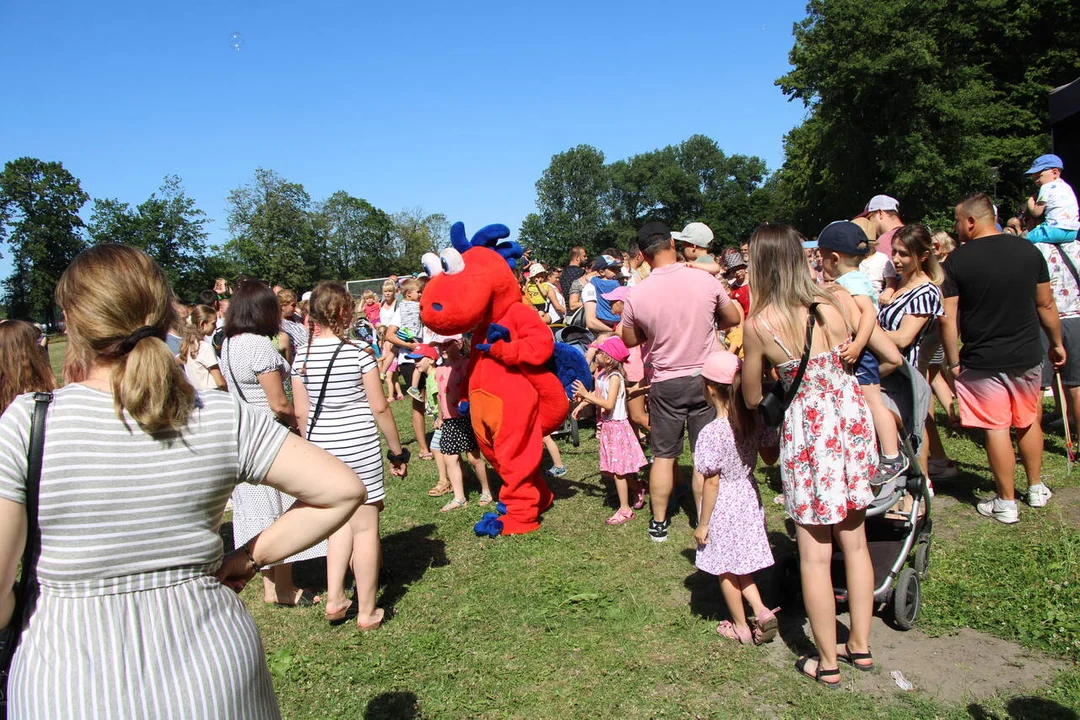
(997, 295)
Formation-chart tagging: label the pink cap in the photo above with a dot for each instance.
(616, 348)
(617, 294)
(721, 367)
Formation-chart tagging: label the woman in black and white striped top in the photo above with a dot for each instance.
(136, 614)
(340, 401)
(917, 303)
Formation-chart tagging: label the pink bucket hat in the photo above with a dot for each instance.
(615, 347)
(617, 294)
(721, 367)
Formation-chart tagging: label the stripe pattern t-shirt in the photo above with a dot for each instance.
(923, 300)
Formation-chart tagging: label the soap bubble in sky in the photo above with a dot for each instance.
(236, 41)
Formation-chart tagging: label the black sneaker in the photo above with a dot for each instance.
(658, 530)
(888, 470)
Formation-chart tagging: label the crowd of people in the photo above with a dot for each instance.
(275, 403)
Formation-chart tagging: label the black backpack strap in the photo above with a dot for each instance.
(322, 392)
(797, 381)
(1068, 263)
(28, 581)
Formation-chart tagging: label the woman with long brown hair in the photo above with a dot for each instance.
(25, 367)
(341, 407)
(136, 613)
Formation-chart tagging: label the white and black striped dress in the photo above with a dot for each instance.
(130, 622)
(243, 359)
(923, 300)
(346, 426)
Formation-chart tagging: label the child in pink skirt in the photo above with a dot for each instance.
(731, 536)
(620, 453)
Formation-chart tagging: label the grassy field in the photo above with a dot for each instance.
(585, 620)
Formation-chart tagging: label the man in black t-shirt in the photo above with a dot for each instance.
(574, 269)
(997, 296)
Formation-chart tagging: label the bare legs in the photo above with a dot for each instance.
(553, 450)
(661, 482)
(999, 451)
(815, 557)
(736, 588)
(357, 545)
(278, 585)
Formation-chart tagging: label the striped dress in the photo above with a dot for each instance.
(346, 426)
(243, 359)
(130, 622)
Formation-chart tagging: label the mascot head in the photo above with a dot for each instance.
(472, 282)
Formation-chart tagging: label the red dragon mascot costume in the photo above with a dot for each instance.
(514, 399)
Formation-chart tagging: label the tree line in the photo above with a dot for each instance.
(276, 232)
(924, 100)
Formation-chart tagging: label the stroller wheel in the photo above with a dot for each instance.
(907, 598)
(922, 559)
(575, 438)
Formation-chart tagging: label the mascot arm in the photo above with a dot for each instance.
(531, 341)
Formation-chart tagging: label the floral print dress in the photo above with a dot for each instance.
(828, 448)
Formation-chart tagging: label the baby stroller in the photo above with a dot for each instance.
(898, 520)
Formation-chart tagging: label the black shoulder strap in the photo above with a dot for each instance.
(322, 392)
(232, 376)
(28, 581)
(797, 381)
(1068, 263)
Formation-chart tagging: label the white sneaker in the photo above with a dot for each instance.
(1000, 510)
(1039, 495)
(942, 469)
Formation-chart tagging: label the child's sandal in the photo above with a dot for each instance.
(454, 504)
(728, 630)
(439, 490)
(620, 517)
(484, 499)
(818, 674)
(765, 626)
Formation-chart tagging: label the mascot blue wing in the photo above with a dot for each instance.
(458, 238)
(570, 366)
(489, 235)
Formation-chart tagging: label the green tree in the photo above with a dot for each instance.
(359, 238)
(168, 226)
(39, 220)
(414, 233)
(921, 99)
(569, 198)
(274, 233)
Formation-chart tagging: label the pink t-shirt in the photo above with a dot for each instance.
(674, 311)
(448, 377)
(884, 242)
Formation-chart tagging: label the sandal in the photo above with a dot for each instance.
(728, 630)
(639, 498)
(454, 504)
(439, 490)
(852, 658)
(765, 626)
(366, 627)
(484, 499)
(819, 674)
(427, 456)
(304, 598)
(620, 517)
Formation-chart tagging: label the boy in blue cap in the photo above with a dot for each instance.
(1055, 203)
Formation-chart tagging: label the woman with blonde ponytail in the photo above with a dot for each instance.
(137, 467)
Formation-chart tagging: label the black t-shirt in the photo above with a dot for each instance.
(995, 278)
(569, 275)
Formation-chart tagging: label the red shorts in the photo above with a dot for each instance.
(999, 400)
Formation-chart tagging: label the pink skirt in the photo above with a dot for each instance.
(620, 451)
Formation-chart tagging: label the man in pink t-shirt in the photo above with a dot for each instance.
(675, 313)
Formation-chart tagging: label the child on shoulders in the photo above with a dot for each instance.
(731, 535)
(1055, 203)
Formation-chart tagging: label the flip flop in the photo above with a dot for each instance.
(304, 598)
(801, 663)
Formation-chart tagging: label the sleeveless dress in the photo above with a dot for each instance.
(620, 451)
(346, 426)
(828, 448)
(130, 621)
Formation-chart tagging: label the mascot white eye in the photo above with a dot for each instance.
(432, 264)
(452, 262)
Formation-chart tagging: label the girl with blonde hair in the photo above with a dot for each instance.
(196, 351)
(25, 367)
(131, 517)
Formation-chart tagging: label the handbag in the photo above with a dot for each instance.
(776, 400)
(28, 582)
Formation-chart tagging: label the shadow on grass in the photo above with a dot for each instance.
(393, 706)
(407, 555)
(1026, 708)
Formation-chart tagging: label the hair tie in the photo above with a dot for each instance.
(128, 344)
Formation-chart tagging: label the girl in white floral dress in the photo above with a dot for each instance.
(827, 443)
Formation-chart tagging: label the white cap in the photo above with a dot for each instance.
(882, 202)
(536, 269)
(306, 296)
(696, 233)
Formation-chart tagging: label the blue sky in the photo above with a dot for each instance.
(455, 108)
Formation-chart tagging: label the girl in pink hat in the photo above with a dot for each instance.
(731, 536)
(620, 453)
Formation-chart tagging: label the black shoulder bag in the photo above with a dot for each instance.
(776, 401)
(28, 582)
(322, 392)
(1068, 263)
